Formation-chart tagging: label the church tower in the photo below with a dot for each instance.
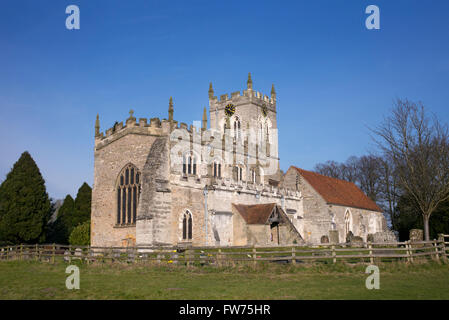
(249, 111)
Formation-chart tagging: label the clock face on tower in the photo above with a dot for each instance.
(229, 110)
(264, 110)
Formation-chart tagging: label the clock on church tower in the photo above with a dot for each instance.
(229, 110)
(264, 110)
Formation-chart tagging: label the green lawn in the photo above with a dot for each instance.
(38, 280)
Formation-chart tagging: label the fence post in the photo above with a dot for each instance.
(36, 252)
(7, 253)
(371, 259)
(219, 257)
(334, 256)
(293, 255)
(21, 252)
(437, 256)
(407, 251)
(187, 254)
(88, 255)
(443, 246)
(53, 253)
(254, 256)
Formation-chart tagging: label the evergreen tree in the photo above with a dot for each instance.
(81, 235)
(24, 203)
(71, 214)
(83, 204)
(59, 229)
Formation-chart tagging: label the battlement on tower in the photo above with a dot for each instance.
(246, 93)
(243, 97)
(144, 126)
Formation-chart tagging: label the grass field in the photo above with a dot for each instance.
(37, 280)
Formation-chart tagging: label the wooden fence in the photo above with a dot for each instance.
(222, 256)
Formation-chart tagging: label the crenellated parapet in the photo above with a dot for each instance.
(144, 126)
(240, 98)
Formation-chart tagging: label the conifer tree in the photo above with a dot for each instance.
(83, 203)
(59, 229)
(24, 203)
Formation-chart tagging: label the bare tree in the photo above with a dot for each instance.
(369, 176)
(419, 149)
(390, 192)
(331, 169)
(350, 169)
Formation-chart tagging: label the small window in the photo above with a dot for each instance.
(189, 164)
(187, 226)
(217, 170)
(238, 173)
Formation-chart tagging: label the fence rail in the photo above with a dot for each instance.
(331, 253)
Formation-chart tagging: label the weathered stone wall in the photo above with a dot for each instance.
(188, 199)
(240, 229)
(154, 211)
(109, 160)
(362, 221)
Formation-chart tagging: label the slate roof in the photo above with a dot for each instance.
(255, 213)
(337, 191)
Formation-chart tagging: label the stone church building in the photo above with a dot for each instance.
(216, 183)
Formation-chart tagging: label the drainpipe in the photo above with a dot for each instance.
(205, 212)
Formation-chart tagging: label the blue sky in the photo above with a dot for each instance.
(333, 77)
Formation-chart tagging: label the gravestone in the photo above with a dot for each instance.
(384, 236)
(67, 256)
(78, 253)
(356, 241)
(416, 235)
(333, 236)
(349, 237)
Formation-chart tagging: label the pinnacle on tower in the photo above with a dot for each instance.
(170, 110)
(204, 126)
(211, 91)
(97, 126)
(249, 82)
(273, 92)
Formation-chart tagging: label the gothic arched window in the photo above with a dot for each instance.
(128, 191)
(189, 164)
(348, 222)
(237, 128)
(187, 226)
(253, 175)
(238, 173)
(217, 169)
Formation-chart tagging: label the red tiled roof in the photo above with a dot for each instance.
(339, 192)
(255, 213)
